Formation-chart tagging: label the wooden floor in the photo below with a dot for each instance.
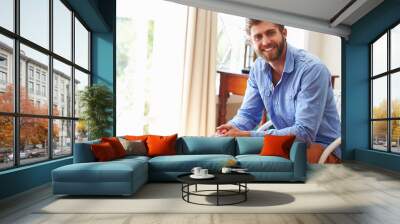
(377, 188)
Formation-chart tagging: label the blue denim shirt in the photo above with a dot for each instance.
(302, 103)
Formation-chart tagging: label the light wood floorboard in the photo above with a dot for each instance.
(378, 189)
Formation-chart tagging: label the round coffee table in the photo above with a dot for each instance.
(238, 179)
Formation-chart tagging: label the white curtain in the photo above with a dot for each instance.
(198, 112)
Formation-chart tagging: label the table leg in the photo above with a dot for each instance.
(217, 194)
(245, 193)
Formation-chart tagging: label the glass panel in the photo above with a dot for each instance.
(33, 140)
(7, 14)
(81, 45)
(62, 89)
(379, 97)
(395, 95)
(379, 55)
(379, 135)
(34, 81)
(81, 81)
(81, 131)
(6, 74)
(35, 21)
(62, 29)
(395, 136)
(395, 47)
(6, 142)
(62, 137)
(231, 38)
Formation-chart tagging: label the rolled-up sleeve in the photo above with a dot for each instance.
(310, 104)
(249, 114)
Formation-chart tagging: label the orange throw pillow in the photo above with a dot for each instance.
(136, 138)
(116, 145)
(161, 145)
(275, 145)
(103, 151)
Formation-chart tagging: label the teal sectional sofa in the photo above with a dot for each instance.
(125, 176)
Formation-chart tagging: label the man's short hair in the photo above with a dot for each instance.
(253, 22)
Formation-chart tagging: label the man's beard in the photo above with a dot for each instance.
(275, 55)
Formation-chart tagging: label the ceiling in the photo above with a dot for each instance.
(326, 16)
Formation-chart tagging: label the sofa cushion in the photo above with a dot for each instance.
(116, 145)
(134, 147)
(136, 137)
(161, 145)
(185, 163)
(277, 145)
(191, 145)
(112, 171)
(257, 163)
(103, 152)
(249, 145)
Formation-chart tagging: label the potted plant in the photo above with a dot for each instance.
(96, 102)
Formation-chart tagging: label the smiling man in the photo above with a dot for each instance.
(293, 86)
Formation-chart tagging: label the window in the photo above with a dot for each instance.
(81, 45)
(45, 131)
(3, 73)
(30, 87)
(37, 74)
(150, 67)
(38, 89)
(44, 91)
(6, 73)
(7, 14)
(62, 137)
(3, 78)
(81, 81)
(385, 97)
(62, 29)
(35, 21)
(231, 42)
(3, 61)
(63, 73)
(30, 72)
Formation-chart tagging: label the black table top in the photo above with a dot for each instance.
(220, 178)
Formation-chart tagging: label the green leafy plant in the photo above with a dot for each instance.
(96, 102)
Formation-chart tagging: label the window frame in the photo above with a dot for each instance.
(15, 72)
(388, 74)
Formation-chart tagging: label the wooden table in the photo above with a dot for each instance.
(230, 82)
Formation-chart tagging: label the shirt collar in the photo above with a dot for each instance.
(289, 61)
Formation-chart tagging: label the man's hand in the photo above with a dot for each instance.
(230, 130)
(223, 129)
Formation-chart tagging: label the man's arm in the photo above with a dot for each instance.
(311, 101)
(249, 114)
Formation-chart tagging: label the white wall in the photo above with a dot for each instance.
(328, 49)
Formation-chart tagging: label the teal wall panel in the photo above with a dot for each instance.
(102, 59)
(24, 178)
(355, 93)
(356, 99)
(377, 158)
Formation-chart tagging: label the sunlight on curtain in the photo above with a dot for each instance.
(150, 54)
